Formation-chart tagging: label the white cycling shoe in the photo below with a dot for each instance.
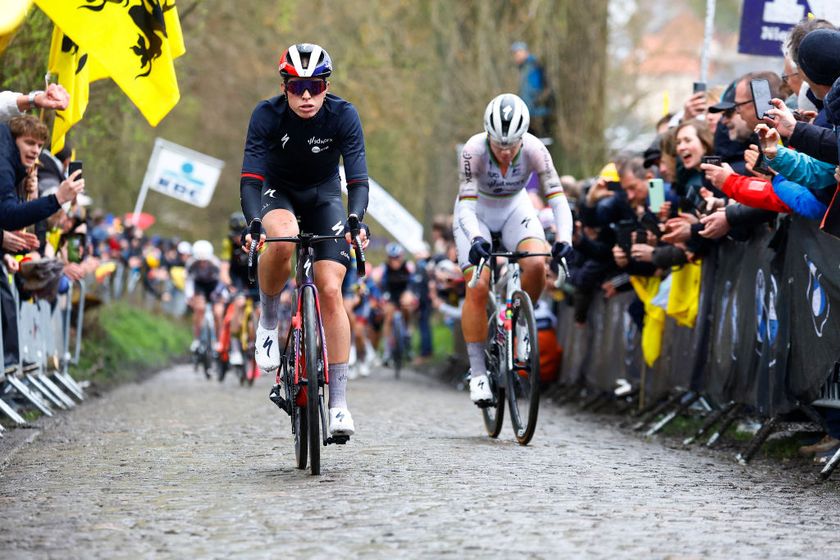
(341, 422)
(267, 349)
(480, 392)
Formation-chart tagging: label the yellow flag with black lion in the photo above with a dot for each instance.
(134, 42)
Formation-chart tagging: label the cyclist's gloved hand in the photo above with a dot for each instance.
(560, 250)
(364, 232)
(480, 249)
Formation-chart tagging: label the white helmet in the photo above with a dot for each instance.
(202, 250)
(185, 248)
(506, 119)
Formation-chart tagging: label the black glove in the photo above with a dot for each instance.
(480, 249)
(560, 250)
(362, 226)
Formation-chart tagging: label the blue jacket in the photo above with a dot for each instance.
(15, 214)
(803, 169)
(531, 85)
(801, 200)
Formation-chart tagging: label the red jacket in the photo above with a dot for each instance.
(754, 192)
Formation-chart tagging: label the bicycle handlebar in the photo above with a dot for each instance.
(256, 231)
(516, 255)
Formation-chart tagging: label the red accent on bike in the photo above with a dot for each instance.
(323, 338)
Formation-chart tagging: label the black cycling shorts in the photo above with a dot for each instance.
(319, 210)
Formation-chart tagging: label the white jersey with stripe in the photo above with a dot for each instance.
(483, 183)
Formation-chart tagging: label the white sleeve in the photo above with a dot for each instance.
(8, 105)
(553, 191)
(465, 216)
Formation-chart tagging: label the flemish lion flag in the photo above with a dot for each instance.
(134, 42)
(71, 67)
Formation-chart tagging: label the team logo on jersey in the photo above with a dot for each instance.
(319, 144)
(284, 140)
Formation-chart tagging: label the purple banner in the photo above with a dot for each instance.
(765, 25)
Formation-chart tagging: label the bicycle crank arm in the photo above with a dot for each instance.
(282, 403)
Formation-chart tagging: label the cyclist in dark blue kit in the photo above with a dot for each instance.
(290, 169)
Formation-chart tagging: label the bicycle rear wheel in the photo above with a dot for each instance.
(312, 353)
(493, 415)
(524, 379)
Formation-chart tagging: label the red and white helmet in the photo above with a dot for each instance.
(305, 60)
(506, 119)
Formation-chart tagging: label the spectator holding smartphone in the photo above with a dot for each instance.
(21, 142)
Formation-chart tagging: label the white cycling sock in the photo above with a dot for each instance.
(475, 350)
(270, 316)
(338, 385)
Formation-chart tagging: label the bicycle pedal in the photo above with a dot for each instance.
(340, 440)
(485, 404)
(282, 403)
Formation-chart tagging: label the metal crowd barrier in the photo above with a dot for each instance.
(765, 343)
(41, 377)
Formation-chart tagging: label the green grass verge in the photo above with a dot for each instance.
(120, 340)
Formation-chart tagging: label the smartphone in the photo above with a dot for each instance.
(75, 165)
(656, 194)
(712, 160)
(698, 87)
(761, 165)
(624, 235)
(761, 97)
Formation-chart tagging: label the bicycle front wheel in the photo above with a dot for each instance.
(493, 415)
(524, 377)
(312, 354)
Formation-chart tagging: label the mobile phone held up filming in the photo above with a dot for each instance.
(698, 87)
(656, 194)
(761, 97)
(75, 165)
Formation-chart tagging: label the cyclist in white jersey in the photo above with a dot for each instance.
(494, 168)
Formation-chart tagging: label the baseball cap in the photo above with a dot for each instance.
(518, 46)
(727, 100)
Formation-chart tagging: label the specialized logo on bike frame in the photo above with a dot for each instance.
(307, 266)
(271, 192)
(147, 16)
(319, 144)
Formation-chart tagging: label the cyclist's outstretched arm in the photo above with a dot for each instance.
(252, 178)
(465, 216)
(553, 191)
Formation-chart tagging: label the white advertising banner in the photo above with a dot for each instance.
(182, 173)
(392, 216)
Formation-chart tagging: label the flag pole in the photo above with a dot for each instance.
(144, 188)
(707, 40)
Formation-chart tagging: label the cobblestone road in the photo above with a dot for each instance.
(178, 467)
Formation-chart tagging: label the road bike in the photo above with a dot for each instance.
(303, 374)
(399, 343)
(512, 351)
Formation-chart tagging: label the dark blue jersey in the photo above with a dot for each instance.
(288, 152)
